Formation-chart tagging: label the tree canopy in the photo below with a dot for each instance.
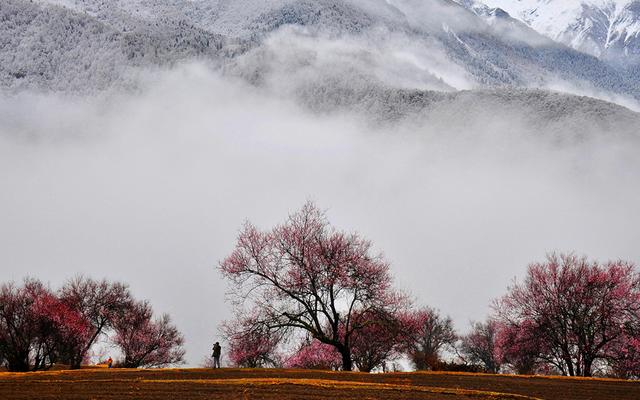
(304, 275)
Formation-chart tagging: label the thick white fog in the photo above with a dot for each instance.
(152, 187)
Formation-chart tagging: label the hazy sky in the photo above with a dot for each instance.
(151, 188)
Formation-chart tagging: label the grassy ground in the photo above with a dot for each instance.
(243, 384)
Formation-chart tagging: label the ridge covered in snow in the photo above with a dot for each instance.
(604, 28)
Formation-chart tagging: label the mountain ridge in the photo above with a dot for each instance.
(397, 46)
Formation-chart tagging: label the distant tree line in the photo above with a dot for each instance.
(40, 327)
(309, 296)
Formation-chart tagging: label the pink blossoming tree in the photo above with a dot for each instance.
(313, 354)
(380, 340)
(625, 358)
(145, 341)
(39, 327)
(427, 335)
(518, 349)
(36, 327)
(305, 276)
(577, 309)
(479, 347)
(63, 330)
(99, 302)
(22, 344)
(251, 344)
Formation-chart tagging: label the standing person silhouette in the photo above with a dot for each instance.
(216, 355)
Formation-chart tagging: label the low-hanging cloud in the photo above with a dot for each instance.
(294, 54)
(151, 188)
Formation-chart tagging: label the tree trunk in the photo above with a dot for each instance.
(587, 368)
(569, 363)
(347, 363)
(17, 364)
(76, 362)
(364, 368)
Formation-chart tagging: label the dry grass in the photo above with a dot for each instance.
(243, 384)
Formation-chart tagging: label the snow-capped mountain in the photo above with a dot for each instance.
(330, 48)
(608, 29)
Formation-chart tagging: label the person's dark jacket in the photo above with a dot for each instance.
(216, 350)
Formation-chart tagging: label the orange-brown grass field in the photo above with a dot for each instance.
(187, 384)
